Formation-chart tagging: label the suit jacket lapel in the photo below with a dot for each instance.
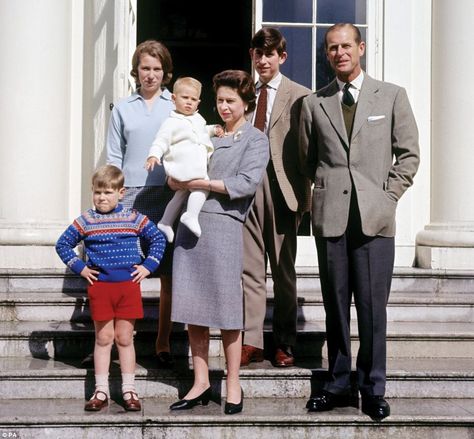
(281, 99)
(332, 107)
(365, 103)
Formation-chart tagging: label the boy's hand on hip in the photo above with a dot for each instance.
(140, 273)
(90, 275)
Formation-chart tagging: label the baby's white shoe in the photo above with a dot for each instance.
(191, 222)
(167, 231)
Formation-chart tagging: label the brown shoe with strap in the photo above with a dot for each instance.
(131, 404)
(96, 404)
(250, 354)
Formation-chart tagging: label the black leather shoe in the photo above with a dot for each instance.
(375, 406)
(324, 401)
(231, 408)
(186, 404)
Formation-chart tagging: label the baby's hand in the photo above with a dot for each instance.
(151, 162)
(140, 273)
(89, 274)
(219, 131)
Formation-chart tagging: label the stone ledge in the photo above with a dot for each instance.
(32, 378)
(263, 419)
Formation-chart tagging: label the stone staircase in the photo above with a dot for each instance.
(45, 331)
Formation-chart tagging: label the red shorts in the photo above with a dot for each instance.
(110, 300)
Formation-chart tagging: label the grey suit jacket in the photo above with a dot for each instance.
(284, 146)
(380, 159)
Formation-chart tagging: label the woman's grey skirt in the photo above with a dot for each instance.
(207, 271)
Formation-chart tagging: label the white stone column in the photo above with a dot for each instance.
(40, 127)
(448, 241)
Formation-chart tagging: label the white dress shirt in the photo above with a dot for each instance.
(355, 87)
(272, 87)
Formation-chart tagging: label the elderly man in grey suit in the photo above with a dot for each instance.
(361, 149)
(284, 195)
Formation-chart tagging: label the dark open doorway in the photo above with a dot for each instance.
(203, 40)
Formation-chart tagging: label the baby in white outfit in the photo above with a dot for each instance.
(183, 142)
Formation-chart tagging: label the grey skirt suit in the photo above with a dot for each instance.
(207, 271)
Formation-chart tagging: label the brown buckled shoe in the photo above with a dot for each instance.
(96, 404)
(284, 357)
(131, 404)
(250, 354)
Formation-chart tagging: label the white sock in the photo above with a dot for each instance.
(167, 231)
(171, 213)
(102, 385)
(191, 222)
(128, 384)
(190, 218)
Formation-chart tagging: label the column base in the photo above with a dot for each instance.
(30, 245)
(29, 257)
(445, 246)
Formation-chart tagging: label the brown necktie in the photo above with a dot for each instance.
(261, 112)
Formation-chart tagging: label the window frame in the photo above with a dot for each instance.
(374, 35)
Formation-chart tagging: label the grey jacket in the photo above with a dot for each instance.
(381, 159)
(240, 161)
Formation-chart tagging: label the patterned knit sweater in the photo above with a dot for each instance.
(111, 243)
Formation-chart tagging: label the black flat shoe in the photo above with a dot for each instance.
(164, 360)
(232, 409)
(375, 406)
(186, 404)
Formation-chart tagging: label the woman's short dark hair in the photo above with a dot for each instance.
(240, 81)
(156, 50)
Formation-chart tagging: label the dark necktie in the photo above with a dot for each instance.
(261, 112)
(347, 98)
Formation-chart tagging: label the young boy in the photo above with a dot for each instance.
(114, 270)
(185, 145)
(270, 231)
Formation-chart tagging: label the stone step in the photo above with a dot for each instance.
(402, 306)
(405, 279)
(72, 339)
(27, 377)
(261, 418)
(418, 295)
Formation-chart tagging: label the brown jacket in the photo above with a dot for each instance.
(284, 148)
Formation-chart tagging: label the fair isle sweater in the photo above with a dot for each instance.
(111, 243)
